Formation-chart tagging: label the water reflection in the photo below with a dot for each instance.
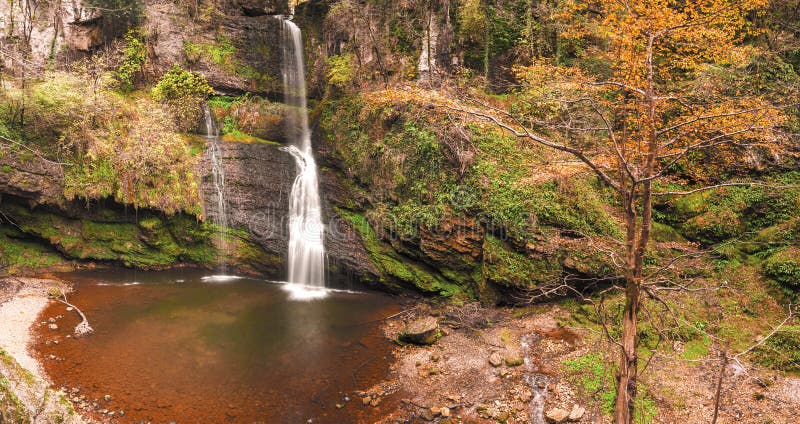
(204, 350)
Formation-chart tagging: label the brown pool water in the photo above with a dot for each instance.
(170, 347)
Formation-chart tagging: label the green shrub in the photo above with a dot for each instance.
(179, 83)
(182, 92)
(340, 70)
(134, 56)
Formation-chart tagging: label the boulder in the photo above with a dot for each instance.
(495, 359)
(423, 331)
(556, 415)
(576, 414)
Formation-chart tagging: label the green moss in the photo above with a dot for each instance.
(153, 242)
(696, 348)
(713, 226)
(781, 351)
(504, 266)
(665, 233)
(17, 254)
(240, 137)
(784, 267)
(10, 406)
(783, 234)
(594, 375)
(731, 212)
(396, 269)
(223, 54)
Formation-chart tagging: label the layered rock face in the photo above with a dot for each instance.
(258, 181)
(234, 43)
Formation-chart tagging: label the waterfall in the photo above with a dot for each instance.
(306, 254)
(218, 179)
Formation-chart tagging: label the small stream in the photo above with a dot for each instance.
(181, 347)
(536, 380)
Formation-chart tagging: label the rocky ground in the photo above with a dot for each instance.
(523, 366)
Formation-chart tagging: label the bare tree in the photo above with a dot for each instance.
(658, 104)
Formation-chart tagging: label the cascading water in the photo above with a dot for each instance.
(218, 179)
(306, 255)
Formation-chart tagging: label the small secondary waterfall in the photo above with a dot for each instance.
(306, 256)
(218, 179)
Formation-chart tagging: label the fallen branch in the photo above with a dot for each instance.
(82, 329)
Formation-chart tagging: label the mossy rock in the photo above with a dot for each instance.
(584, 259)
(785, 233)
(506, 267)
(664, 233)
(784, 267)
(151, 243)
(397, 270)
(714, 226)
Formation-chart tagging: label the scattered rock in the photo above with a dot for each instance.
(375, 402)
(556, 415)
(53, 327)
(107, 398)
(495, 359)
(366, 400)
(339, 406)
(445, 411)
(52, 320)
(52, 357)
(70, 309)
(55, 342)
(576, 414)
(424, 331)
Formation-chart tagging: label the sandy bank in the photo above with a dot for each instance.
(25, 395)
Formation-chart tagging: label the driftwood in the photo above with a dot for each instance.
(82, 329)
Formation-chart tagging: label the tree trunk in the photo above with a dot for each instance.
(628, 372)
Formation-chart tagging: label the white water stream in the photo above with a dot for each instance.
(218, 179)
(306, 255)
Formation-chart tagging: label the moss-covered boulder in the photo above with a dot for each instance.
(784, 267)
(713, 226)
